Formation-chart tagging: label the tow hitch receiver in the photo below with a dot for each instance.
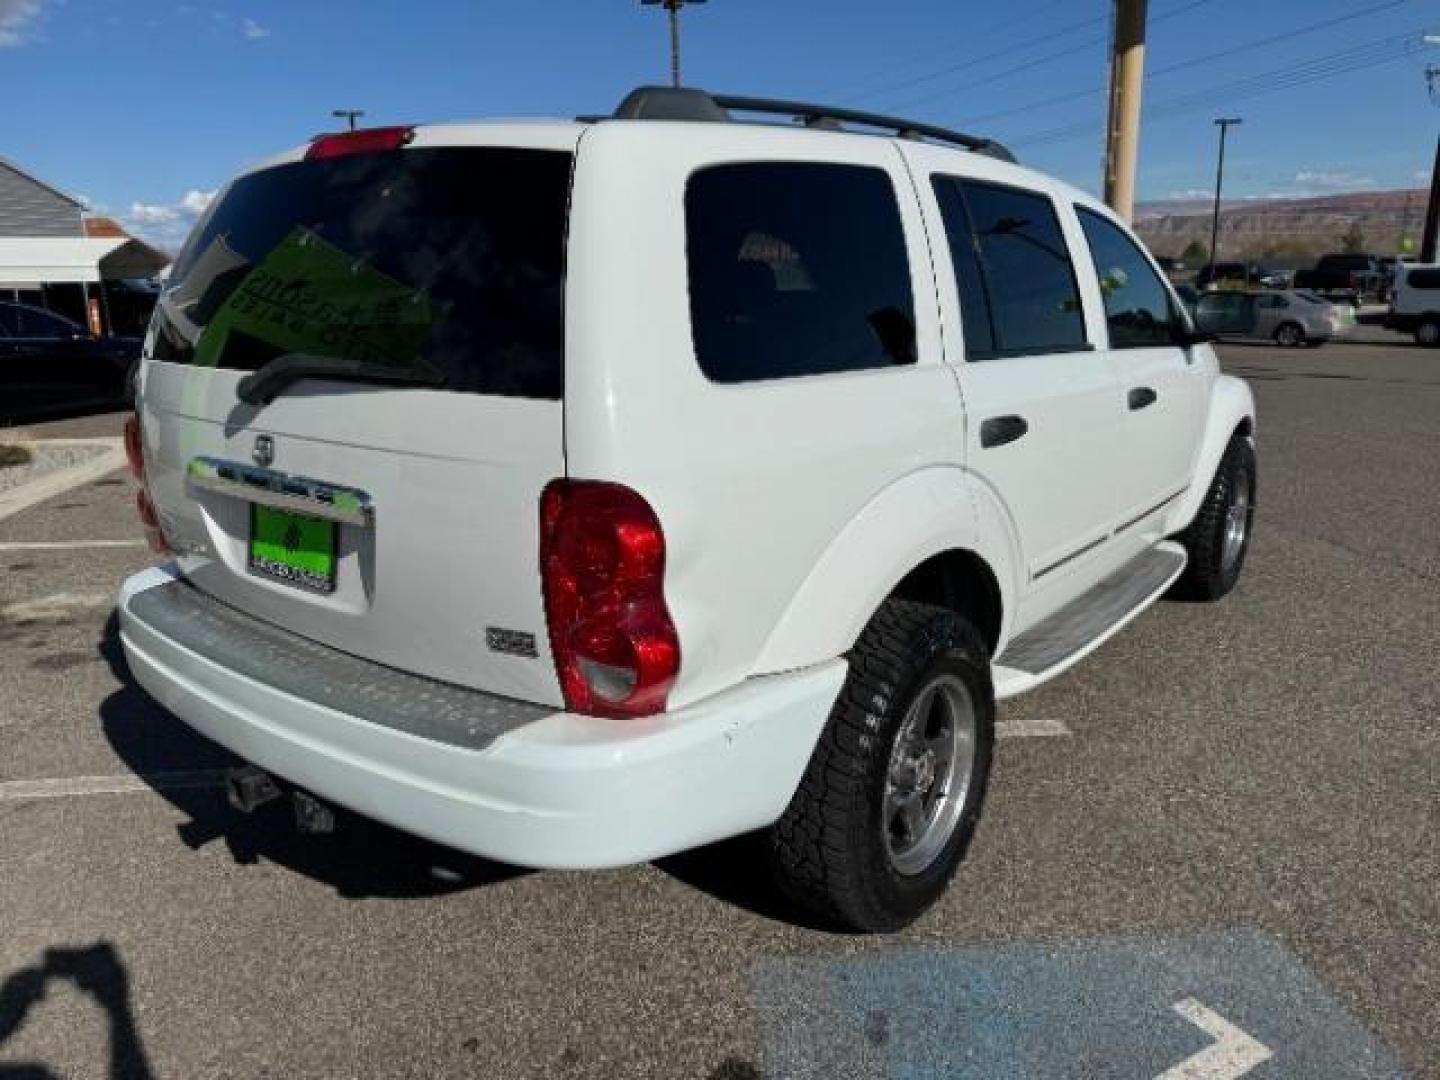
(248, 788)
(312, 815)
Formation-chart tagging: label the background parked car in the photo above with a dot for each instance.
(1344, 276)
(1415, 308)
(1286, 317)
(48, 363)
(1245, 275)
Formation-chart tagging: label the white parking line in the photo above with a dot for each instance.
(67, 545)
(54, 608)
(62, 480)
(1038, 728)
(125, 784)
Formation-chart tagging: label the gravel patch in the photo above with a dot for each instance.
(46, 458)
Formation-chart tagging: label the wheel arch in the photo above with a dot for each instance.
(1231, 412)
(955, 544)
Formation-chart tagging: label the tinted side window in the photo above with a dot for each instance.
(41, 324)
(969, 278)
(1424, 279)
(7, 320)
(1137, 305)
(796, 269)
(1034, 300)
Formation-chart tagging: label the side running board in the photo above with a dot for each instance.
(1093, 617)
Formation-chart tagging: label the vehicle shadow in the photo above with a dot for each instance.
(360, 859)
(97, 971)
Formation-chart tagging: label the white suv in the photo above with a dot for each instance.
(1415, 303)
(574, 493)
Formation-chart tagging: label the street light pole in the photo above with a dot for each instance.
(672, 8)
(1224, 124)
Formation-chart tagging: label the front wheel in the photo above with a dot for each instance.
(1219, 537)
(1290, 335)
(893, 791)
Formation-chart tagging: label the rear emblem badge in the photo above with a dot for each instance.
(510, 642)
(264, 452)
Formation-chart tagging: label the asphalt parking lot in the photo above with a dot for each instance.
(1226, 852)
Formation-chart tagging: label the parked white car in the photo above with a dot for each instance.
(1415, 306)
(575, 493)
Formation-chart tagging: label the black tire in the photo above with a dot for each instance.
(1427, 333)
(1290, 335)
(1212, 570)
(829, 852)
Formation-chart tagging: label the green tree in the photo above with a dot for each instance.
(1194, 253)
(1353, 240)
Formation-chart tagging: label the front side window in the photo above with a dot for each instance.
(28, 322)
(1137, 304)
(1029, 280)
(1424, 279)
(796, 269)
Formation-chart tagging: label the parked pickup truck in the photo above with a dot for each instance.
(1343, 277)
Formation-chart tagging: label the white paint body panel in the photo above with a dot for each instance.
(790, 508)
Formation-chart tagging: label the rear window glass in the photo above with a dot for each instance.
(1424, 279)
(448, 260)
(796, 269)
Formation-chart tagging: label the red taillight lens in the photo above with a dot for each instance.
(144, 505)
(365, 141)
(602, 560)
(134, 447)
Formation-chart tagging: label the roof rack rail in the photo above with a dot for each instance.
(688, 103)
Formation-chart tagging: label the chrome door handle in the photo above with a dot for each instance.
(999, 430)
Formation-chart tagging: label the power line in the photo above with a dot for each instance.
(864, 89)
(1316, 69)
(1040, 61)
(1235, 50)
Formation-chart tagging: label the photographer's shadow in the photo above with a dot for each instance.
(361, 858)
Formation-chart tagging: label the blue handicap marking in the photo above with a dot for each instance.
(1205, 1006)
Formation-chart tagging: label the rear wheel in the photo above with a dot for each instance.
(892, 794)
(1219, 537)
(1428, 333)
(1291, 335)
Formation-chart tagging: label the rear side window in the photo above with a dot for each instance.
(1423, 279)
(1010, 241)
(796, 269)
(1137, 305)
(450, 260)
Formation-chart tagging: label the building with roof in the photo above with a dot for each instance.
(54, 256)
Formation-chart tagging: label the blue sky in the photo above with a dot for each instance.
(144, 107)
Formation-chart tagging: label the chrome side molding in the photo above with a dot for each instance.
(270, 487)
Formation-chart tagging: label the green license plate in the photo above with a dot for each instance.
(293, 548)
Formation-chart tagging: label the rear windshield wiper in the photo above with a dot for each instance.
(263, 386)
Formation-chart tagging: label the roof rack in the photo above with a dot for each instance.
(687, 103)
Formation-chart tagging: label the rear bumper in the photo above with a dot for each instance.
(561, 791)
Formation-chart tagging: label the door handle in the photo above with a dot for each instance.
(1140, 397)
(999, 430)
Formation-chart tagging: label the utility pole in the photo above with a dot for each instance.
(673, 7)
(348, 114)
(1127, 78)
(1432, 212)
(1224, 124)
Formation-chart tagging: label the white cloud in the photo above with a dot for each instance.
(16, 17)
(1333, 179)
(253, 30)
(167, 224)
(1190, 194)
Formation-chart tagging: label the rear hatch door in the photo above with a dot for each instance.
(381, 495)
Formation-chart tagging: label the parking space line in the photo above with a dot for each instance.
(124, 784)
(62, 480)
(66, 545)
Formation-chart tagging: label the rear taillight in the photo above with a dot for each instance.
(602, 561)
(144, 504)
(365, 141)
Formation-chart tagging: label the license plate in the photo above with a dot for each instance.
(294, 548)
